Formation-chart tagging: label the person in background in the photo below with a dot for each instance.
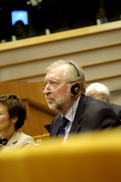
(101, 92)
(101, 16)
(64, 92)
(20, 30)
(12, 117)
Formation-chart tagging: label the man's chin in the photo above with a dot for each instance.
(52, 106)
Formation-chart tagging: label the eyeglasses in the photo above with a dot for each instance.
(49, 90)
(53, 86)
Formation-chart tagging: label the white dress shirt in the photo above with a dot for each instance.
(70, 116)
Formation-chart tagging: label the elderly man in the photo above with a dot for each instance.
(64, 92)
(101, 92)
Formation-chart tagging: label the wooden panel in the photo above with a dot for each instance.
(103, 70)
(36, 119)
(18, 88)
(35, 69)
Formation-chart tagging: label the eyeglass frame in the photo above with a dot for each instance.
(43, 88)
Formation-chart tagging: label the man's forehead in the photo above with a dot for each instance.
(57, 70)
(54, 74)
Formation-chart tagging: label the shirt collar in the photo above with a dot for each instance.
(72, 111)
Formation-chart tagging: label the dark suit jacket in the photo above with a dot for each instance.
(91, 114)
(116, 109)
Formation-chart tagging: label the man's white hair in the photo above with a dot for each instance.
(100, 88)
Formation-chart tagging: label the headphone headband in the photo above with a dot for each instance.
(75, 89)
(79, 78)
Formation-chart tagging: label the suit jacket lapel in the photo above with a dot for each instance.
(14, 139)
(76, 125)
(55, 127)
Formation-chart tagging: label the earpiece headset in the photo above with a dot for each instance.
(75, 88)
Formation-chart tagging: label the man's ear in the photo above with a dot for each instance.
(104, 98)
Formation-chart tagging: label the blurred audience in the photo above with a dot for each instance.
(101, 92)
(20, 30)
(101, 16)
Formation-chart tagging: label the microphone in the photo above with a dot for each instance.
(74, 98)
(3, 141)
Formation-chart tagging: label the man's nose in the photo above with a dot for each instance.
(47, 89)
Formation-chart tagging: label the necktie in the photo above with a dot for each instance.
(63, 123)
